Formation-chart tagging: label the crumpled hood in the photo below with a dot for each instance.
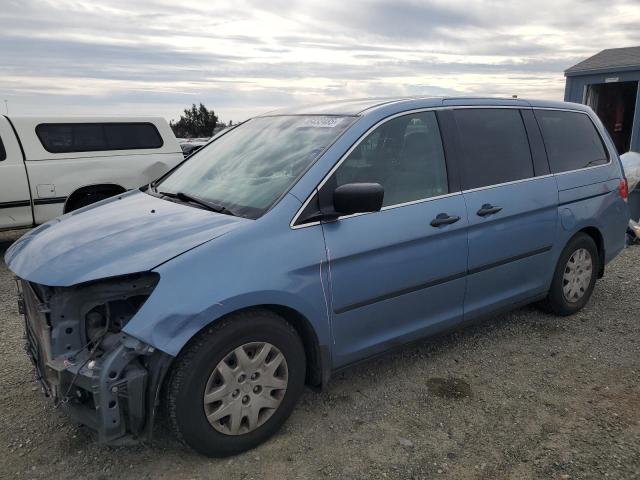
(128, 234)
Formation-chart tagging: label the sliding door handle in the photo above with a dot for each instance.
(444, 219)
(488, 209)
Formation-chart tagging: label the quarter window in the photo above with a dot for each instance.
(404, 155)
(3, 152)
(495, 147)
(571, 140)
(95, 137)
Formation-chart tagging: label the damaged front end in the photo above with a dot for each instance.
(108, 380)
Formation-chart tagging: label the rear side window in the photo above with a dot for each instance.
(3, 152)
(125, 137)
(95, 137)
(495, 147)
(571, 140)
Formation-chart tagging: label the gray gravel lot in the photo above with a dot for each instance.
(524, 396)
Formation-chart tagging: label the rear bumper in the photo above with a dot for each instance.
(114, 392)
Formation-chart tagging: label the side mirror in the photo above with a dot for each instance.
(358, 198)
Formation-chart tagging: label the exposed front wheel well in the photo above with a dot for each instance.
(90, 194)
(595, 234)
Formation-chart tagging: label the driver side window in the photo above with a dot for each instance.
(404, 155)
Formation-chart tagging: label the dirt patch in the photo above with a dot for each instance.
(448, 387)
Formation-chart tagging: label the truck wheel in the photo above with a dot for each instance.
(574, 277)
(236, 383)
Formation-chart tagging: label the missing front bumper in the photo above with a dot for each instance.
(113, 390)
(115, 395)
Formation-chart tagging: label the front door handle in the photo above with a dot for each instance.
(488, 209)
(444, 219)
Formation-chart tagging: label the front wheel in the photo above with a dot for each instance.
(236, 383)
(575, 276)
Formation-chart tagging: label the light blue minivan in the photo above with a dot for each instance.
(302, 241)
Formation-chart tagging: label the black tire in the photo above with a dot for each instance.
(556, 302)
(192, 368)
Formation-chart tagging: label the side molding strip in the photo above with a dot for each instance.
(439, 281)
(509, 260)
(16, 203)
(398, 293)
(589, 197)
(49, 201)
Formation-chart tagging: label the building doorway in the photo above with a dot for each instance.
(615, 104)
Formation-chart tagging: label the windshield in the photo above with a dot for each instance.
(248, 169)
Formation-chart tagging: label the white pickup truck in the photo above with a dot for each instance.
(53, 165)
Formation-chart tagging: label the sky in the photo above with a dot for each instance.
(246, 57)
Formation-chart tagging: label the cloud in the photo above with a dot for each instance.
(245, 57)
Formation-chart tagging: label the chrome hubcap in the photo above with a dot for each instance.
(577, 275)
(245, 388)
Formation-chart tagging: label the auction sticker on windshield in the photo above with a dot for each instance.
(320, 122)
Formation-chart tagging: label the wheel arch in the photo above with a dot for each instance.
(113, 188)
(317, 356)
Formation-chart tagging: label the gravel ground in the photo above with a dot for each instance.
(524, 396)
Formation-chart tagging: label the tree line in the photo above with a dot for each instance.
(197, 121)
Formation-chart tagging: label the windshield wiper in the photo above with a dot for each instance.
(214, 207)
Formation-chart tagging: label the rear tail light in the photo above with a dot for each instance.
(624, 189)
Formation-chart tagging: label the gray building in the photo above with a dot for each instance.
(608, 83)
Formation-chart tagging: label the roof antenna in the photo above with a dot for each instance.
(514, 96)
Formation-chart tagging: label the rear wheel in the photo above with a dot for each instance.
(575, 276)
(236, 383)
